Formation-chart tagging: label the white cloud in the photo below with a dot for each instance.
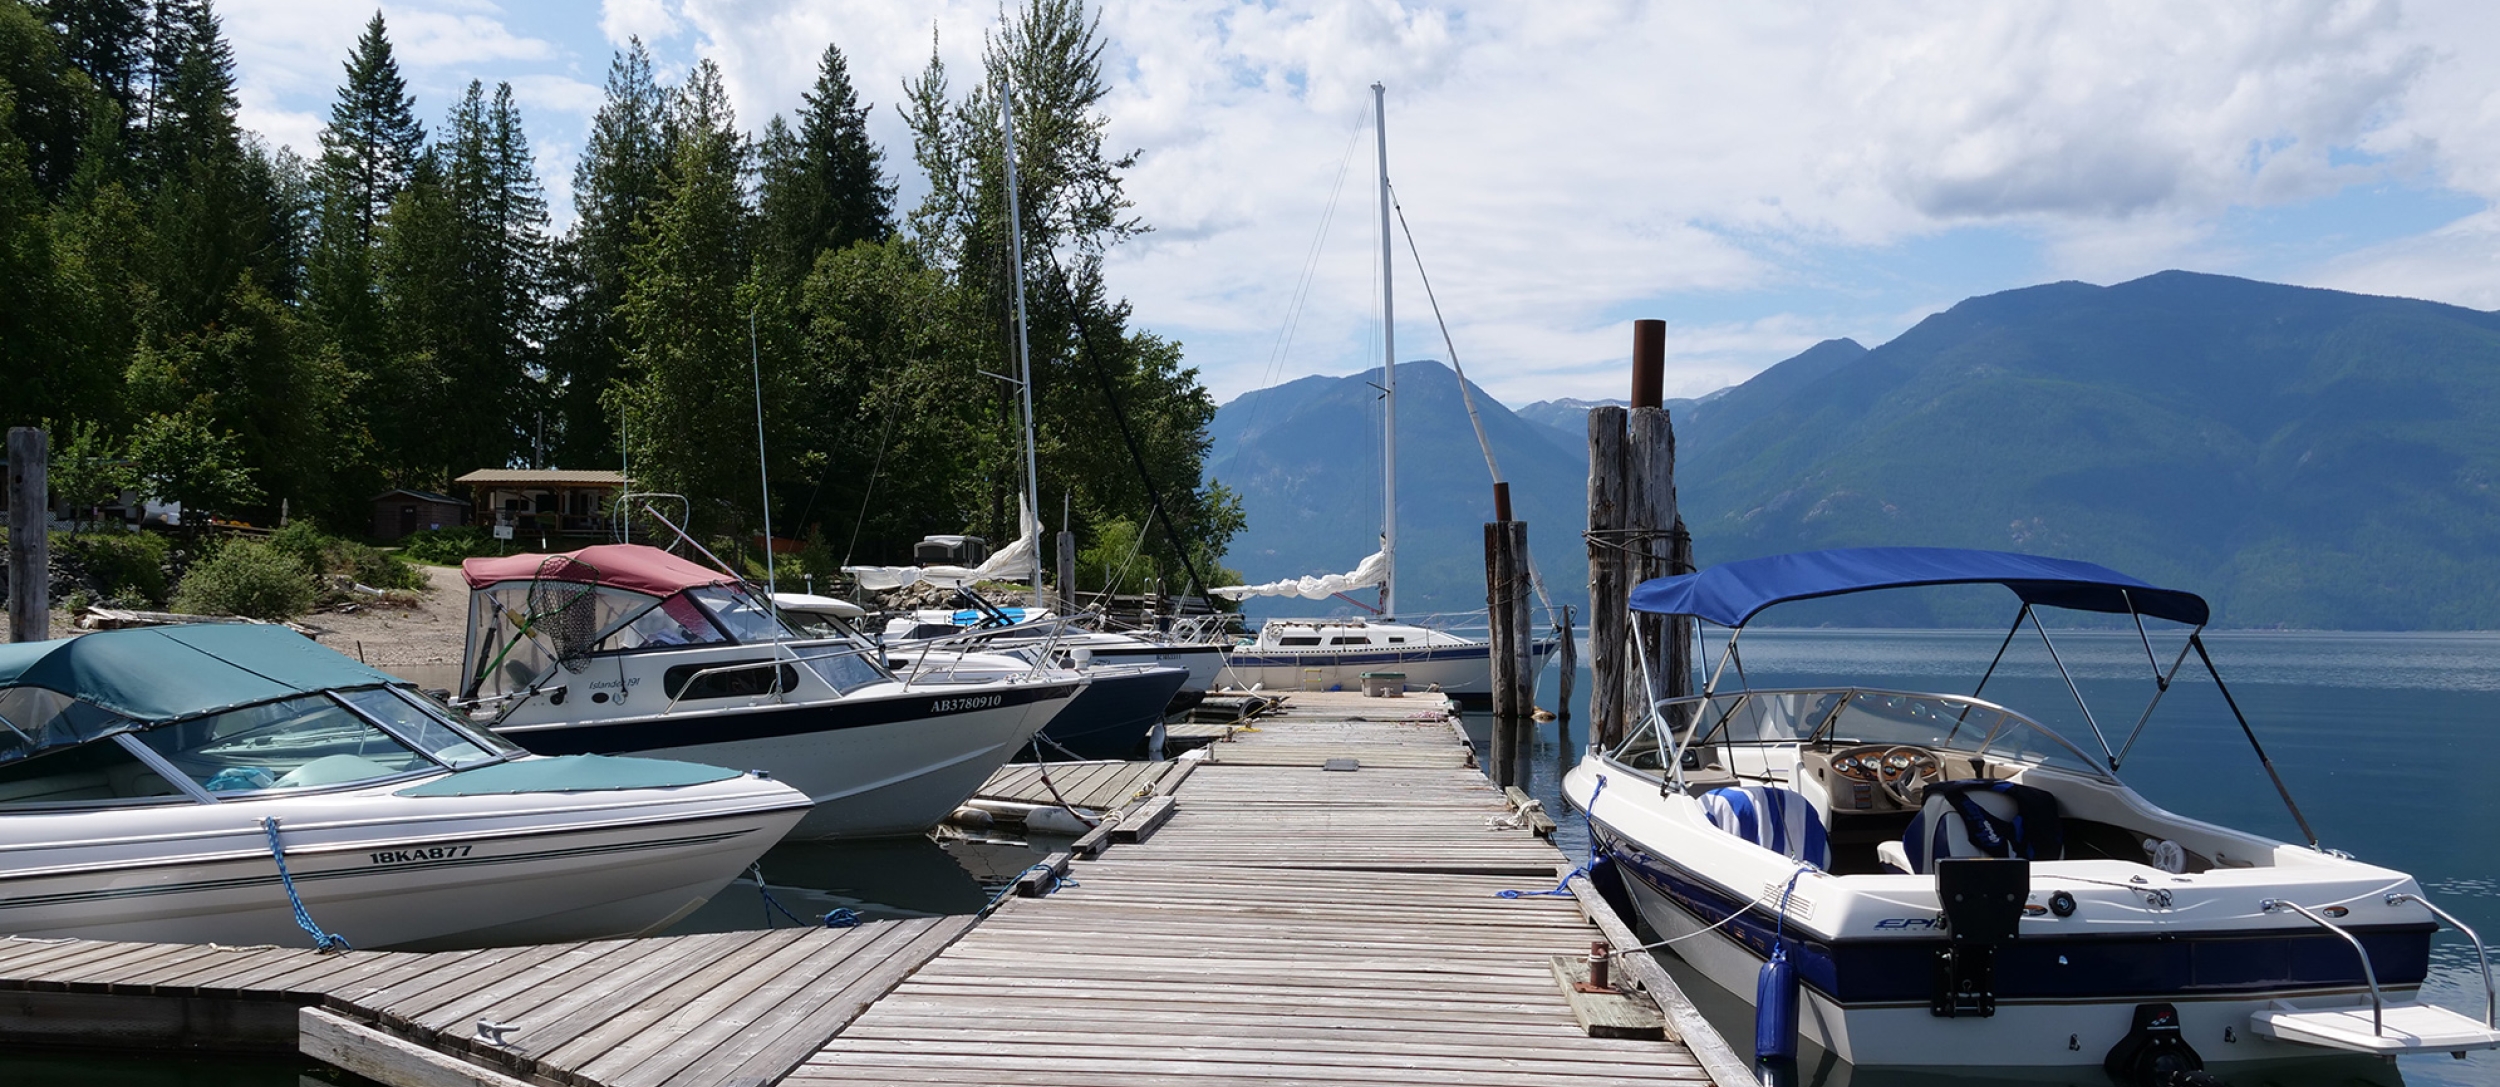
(1567, 165)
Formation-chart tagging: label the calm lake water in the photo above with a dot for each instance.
(2390, 743)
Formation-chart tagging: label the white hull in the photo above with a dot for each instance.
(386, 871)
(883, 780)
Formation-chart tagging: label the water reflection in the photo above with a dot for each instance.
(876, 880)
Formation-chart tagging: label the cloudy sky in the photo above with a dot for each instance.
(1762, 176)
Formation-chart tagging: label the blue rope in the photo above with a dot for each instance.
(838, 917)
(1563, 889)
(322, 941)
(1057, 880)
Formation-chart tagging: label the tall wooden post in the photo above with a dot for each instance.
(1649, 456)
(1608, 641)
(1679, 677)
(1510, 647)
(1067, 572)
(30, 543)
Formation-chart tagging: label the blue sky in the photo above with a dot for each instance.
(1762, 176)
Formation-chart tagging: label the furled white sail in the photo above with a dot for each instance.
(1013, 562)
(1373, 571)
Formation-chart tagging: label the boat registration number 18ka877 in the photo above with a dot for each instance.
(421, 854)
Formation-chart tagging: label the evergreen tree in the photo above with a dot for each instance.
(619, 179)
(1073, 210)
(373, 139)
(687, 300)
(369, 150)
(106, 39)
(823, 187)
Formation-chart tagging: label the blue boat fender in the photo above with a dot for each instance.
(1775, 1009)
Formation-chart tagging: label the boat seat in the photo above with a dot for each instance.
(1980, 818)
(1779, 819)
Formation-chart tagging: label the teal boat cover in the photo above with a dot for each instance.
(159, 674)
(570, 774)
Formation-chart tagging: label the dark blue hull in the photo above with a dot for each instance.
(1856, 973)
(1114, 714)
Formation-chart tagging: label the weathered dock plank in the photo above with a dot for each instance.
(1287, 924)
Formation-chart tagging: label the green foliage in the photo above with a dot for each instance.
(447, 546)
(249, 579)
(87, 470)
(620, 177)
(125, 568)
(179, 459)
(364, 564)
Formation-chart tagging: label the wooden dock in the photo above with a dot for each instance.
(1289, 924)
(1309, 900)
(685, 1011)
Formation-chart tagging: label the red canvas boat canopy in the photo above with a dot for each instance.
(623, 566)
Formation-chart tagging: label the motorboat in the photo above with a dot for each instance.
(622, 648)
(1114, 718)
(1951, 882)
(1334, 654)
(219, 782)
(1069, 640)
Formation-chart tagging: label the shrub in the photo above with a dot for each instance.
(116, 567)
(447, 546)
(249, 579)
(324, 555)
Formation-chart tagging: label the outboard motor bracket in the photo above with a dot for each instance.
(1983, 906)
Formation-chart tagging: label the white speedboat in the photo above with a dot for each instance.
(1953, 883)
(193, 783)
(623, 648)
(1022, 630)
(1113, 719)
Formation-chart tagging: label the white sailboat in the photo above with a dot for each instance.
(1334, 654)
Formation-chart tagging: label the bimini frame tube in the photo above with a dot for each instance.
(2161, 686)
(2197, 642)
(2072, 689)
(2020, 614)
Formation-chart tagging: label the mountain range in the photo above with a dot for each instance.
(2300, 457)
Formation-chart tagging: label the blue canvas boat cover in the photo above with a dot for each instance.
(157, 674)
(1732, 593)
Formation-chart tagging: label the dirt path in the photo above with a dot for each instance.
(420, 643)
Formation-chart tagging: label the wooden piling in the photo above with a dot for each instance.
(30, 542)
(1511, 646)
(1649, 492)
(1067, 572)
(1607, 585)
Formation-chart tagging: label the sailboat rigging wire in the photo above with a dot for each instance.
(763, 471)
(873, 473)
(1119, 415)
(1536, 578)
(1138, 546)
(1295, 306)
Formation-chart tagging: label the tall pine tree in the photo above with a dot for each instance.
(615, 185)
(823, 187)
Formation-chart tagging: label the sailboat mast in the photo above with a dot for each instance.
(1024, 350)
(1388, 375)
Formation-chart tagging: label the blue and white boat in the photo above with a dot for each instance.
(1954, 884)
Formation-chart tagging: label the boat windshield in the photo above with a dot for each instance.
(740, 614)
(1853, 716)
(317, 740)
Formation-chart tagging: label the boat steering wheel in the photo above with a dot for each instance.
(1901, 770)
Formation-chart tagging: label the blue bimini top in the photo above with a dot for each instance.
(1732, 593)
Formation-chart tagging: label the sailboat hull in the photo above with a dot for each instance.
(1463, 671)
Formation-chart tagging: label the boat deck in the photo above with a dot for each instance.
(1311, 900)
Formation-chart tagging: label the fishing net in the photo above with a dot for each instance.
(563, 609)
